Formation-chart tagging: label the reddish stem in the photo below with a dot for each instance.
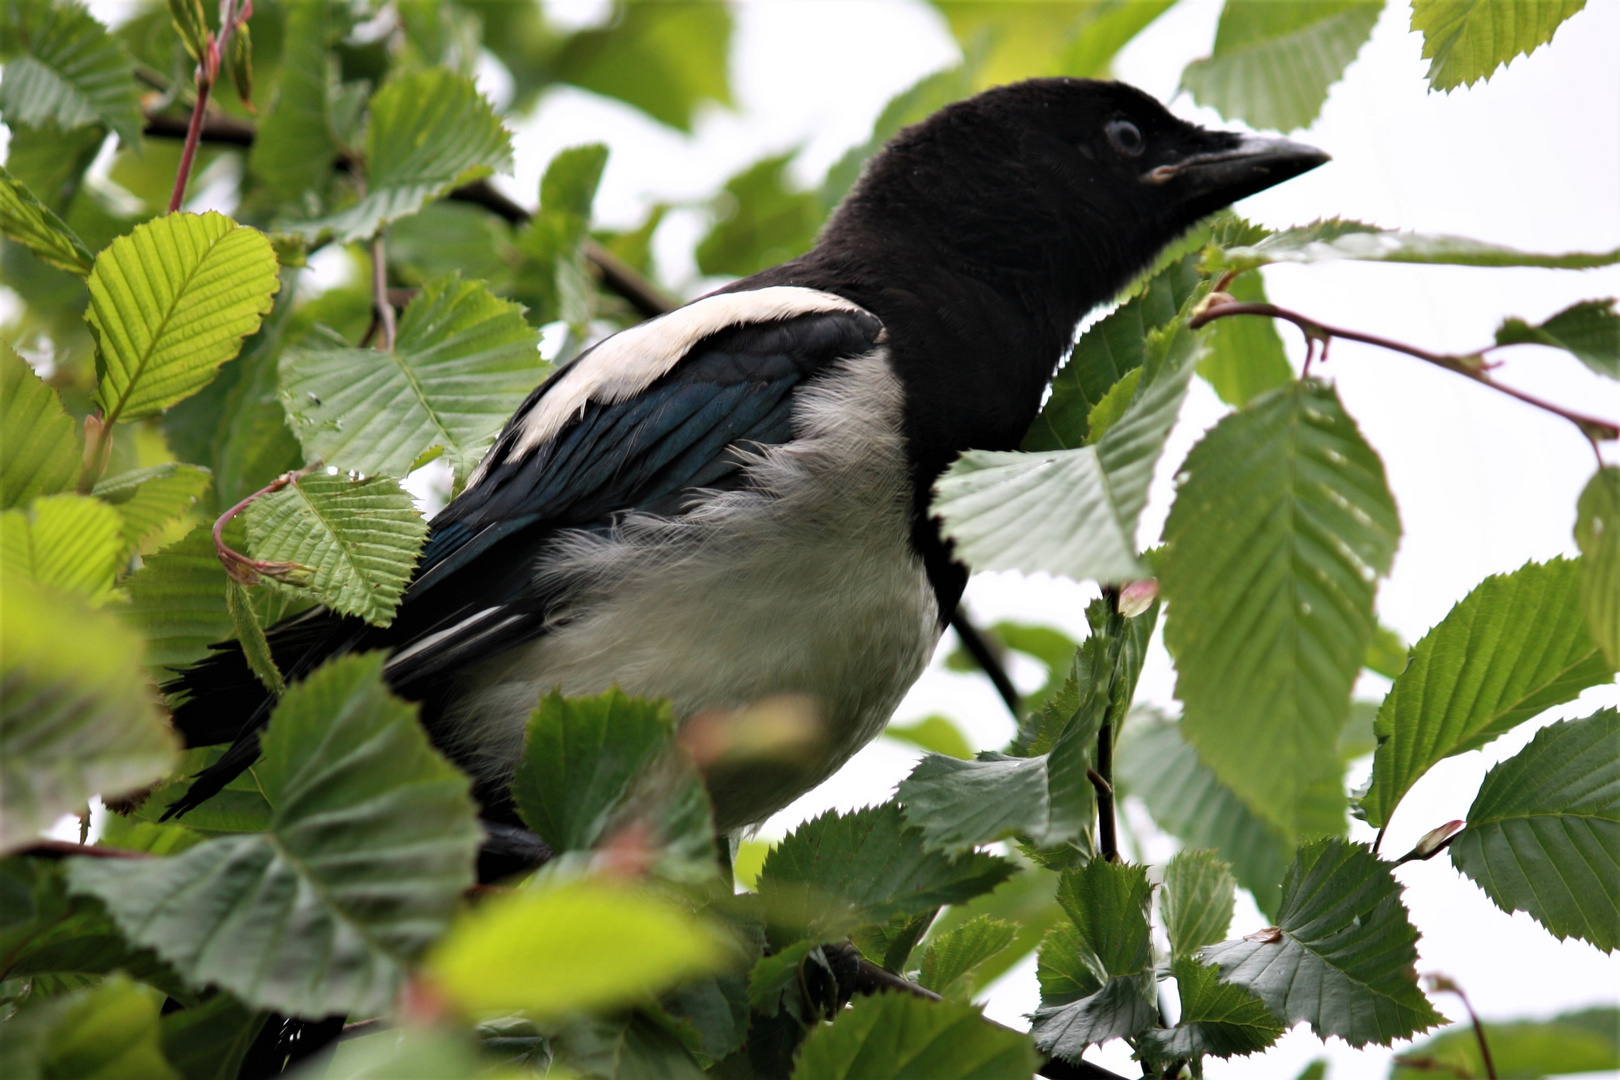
(241, 568)
(193, 133)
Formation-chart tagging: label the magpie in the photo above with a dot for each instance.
(730, 502)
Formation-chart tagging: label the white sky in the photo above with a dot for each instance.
(1484, 484)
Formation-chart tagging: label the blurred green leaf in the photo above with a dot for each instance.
(208, 1041)
(361, 539)
(430, 131)
(149, 499)
(369, 846)
(1512, 648)
(1196, 901)
(409, 1053)
(1335, 238)
(1574, 1042)
(663, 58)
(948, 962)
(1597, 533)
(1274, 60)
(191, 23)
(1072, 37)
(1342, 954)
(553, 279)
(577, 947)
(242, 807)
(1109, 989)
(448, 238)
(296, 146)
(762, 218)
(1279, 531)
(1590, 330)
(29, 222)
(900, 1037)
(1245, 357)
(1467, 40)
(1217, 1019)
(170, 303)
(1387, 654)
(105, 1032)
(177, 601)
(462, 361)
(936, 734)
(76, 719)
(39, 451)
(68, 542)
(70, 72)
(1544, 830)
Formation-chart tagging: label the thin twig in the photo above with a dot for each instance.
(62, 849)
(188, 153)
(381, 306)
(976, 646)
(1470, 365)
(1444, 984)
(240, 567)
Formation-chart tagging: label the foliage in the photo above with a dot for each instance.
(165, 368)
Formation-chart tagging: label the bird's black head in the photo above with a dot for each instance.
(1074, 181)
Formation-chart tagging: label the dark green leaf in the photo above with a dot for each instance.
(34, 225)
(250, 635)
(1196, 901)
(1597, 532)
(1579, 1042)
(948, 962)
(295, 148)
(462, 361)
(665, 59)
(1513, 647)
(1274, 60)
(109, 1032)
(626, 1046)
(1280, 528)
(1589, 329)
(1025, 900)
(1245, 357)
(1543, 834)
(177, 601)
(241, 808)
(1467, 40)
(1342, 953)
(208, 1041)
(900, 1037)
(369, 846)
(553, 279)
(73, 74)
(39, 452)
(762, 219)
(1217, 1019)
(840, 871)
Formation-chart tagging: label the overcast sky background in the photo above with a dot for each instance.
(1531, 159)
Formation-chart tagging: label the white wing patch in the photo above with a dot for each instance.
(630, 361)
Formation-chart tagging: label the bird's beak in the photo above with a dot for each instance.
(1221, 177)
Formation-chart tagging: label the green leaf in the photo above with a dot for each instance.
(67, 542)
(762, 218)
(1071, 512)
(1196, 901)
(1590, 330)
(1597, 533)
(582, 946)
(553, 278)
(430, 131)
(569, 183)
(463, 360)
(149, 499)
(1334, 238)
(841, 871)
(34, 225)
(1017, 41)
(950, 959)
(177, 601)
(296, 146)
(1342, 953)
(1110, 991)
(901, 1037)
(961, 804)
(241, 807)
(1217, 1019)
(1245, 357)
(664, 59)
(936, 734)
(369, 846)
(1280, 528)
(39, 452)
(208, 1041)
(110, 1031)
(1387, 654)
(361, 538)
(171, 302)
(1512, 648)
(1274, 60)
(580, 759)
(1543, 834)
(1467, 40)
(73, 74)
(76, 718)
(1577, 1042)
(250, 634)
(627, 1046)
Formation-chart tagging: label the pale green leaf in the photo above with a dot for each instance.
(171, 302)
(361, 539)
(177, 601)
(1245, 357)
(1279, 531)
(1512, 648)
(1543, 834)
(462, 362)
(1060, 37)
(76, 717)
(665, 59)
(72, 74)
(586, 945)
(1597, 532)
(34, 225)
(67, 542)
(1590, 330)
(1335, 238)
(901, 1037)
(1196, 901)
(1342, 954)
(950, 959)
(1217, 1019)
(39, 452)
(430, 131)
(369, 846)
(150, 499)
(1467, 40)
(1274, 60)
(1071, 512)
(936, 734)
(107, 1032)
(1576, 1042)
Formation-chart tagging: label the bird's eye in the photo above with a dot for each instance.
(1125, 137)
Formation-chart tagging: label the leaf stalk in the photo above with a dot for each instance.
(246, 570)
